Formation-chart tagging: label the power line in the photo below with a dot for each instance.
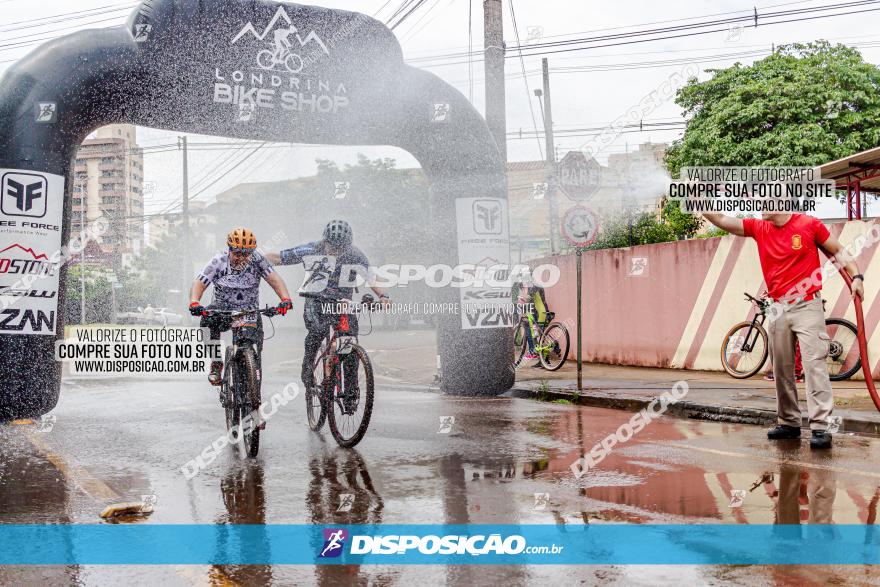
(416, 29)
(65, 17)
(650, 35)
(522, 64)
(471, 51)
(418, 4)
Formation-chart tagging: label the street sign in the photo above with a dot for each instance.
(578, 176)
(580, 226)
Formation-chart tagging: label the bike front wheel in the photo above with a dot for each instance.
(519, 343)
(350, 399)
(315, 404)
(554, 346)
(843, 352)
(293, 63)
(242, 392)
(744, 350)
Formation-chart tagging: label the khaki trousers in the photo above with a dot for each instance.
(806, 321)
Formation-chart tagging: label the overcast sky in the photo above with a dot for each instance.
(582, 95)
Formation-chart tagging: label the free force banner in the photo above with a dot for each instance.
(31, 206)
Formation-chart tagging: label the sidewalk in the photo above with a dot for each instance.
(711, 396)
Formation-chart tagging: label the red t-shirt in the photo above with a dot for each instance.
(789, 253)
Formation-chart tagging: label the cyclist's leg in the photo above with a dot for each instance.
(316, 329)
(529, 338)
(216, 325)
(350, 364)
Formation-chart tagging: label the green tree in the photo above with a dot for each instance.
(98, 296)
(645, 228)
(803, 105)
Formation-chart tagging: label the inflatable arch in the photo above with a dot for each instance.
(250, 69)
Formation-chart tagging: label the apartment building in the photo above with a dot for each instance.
(108, 182)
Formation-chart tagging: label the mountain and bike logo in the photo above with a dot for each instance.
(281, 52)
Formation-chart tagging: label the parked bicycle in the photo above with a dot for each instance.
(343, 391)
(745, 347)
(240, 391)
(551, 341)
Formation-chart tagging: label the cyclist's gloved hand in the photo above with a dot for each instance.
(367, 299)
(196, 309)
(284, 306)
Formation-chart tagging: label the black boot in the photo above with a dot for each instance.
(783, 432)
(216, 375)
(820, 439)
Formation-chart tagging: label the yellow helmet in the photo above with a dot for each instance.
(242, 239)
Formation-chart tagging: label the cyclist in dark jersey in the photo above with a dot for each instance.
(324, 261)
(236, 276)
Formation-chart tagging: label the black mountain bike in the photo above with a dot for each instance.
(240, 389)
(343, 391)
(745, 347)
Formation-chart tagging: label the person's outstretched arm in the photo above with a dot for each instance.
(726, 223)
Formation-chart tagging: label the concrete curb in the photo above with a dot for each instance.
(853, 421)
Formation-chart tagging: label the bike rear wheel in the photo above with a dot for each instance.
(740, 363)
(843, 352)
(350, 403)
(554, 346)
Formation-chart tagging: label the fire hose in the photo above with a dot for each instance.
(863, 343)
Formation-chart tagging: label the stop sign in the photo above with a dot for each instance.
(578, 176)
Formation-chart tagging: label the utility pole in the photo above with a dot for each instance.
(550, 153)
(185, 217)
(493, 43)
(82, 253)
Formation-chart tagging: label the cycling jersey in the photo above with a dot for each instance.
(235, 289)
(323, 269)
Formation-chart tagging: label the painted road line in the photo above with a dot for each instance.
(101, 493)
(77, 475)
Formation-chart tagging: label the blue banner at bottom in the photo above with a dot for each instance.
(111, 544)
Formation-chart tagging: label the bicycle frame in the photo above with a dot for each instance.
(750, 340)
(536, 331)
(330, 351)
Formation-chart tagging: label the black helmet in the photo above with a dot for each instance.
(338, 233)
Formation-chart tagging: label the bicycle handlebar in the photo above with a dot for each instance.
(268, 311)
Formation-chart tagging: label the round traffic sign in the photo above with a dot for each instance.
(580, 226)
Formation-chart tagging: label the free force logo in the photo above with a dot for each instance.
(334, 542)
(487, 217)
(24, 194)
(279, 54)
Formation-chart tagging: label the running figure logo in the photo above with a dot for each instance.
(334, 541)
(46, 112)
(319, 268)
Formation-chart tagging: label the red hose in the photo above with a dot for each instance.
(863, 343)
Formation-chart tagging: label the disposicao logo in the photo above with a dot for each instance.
(334, 541)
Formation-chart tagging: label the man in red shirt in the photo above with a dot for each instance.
(788, 245)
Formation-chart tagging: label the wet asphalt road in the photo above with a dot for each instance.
(116, 440)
